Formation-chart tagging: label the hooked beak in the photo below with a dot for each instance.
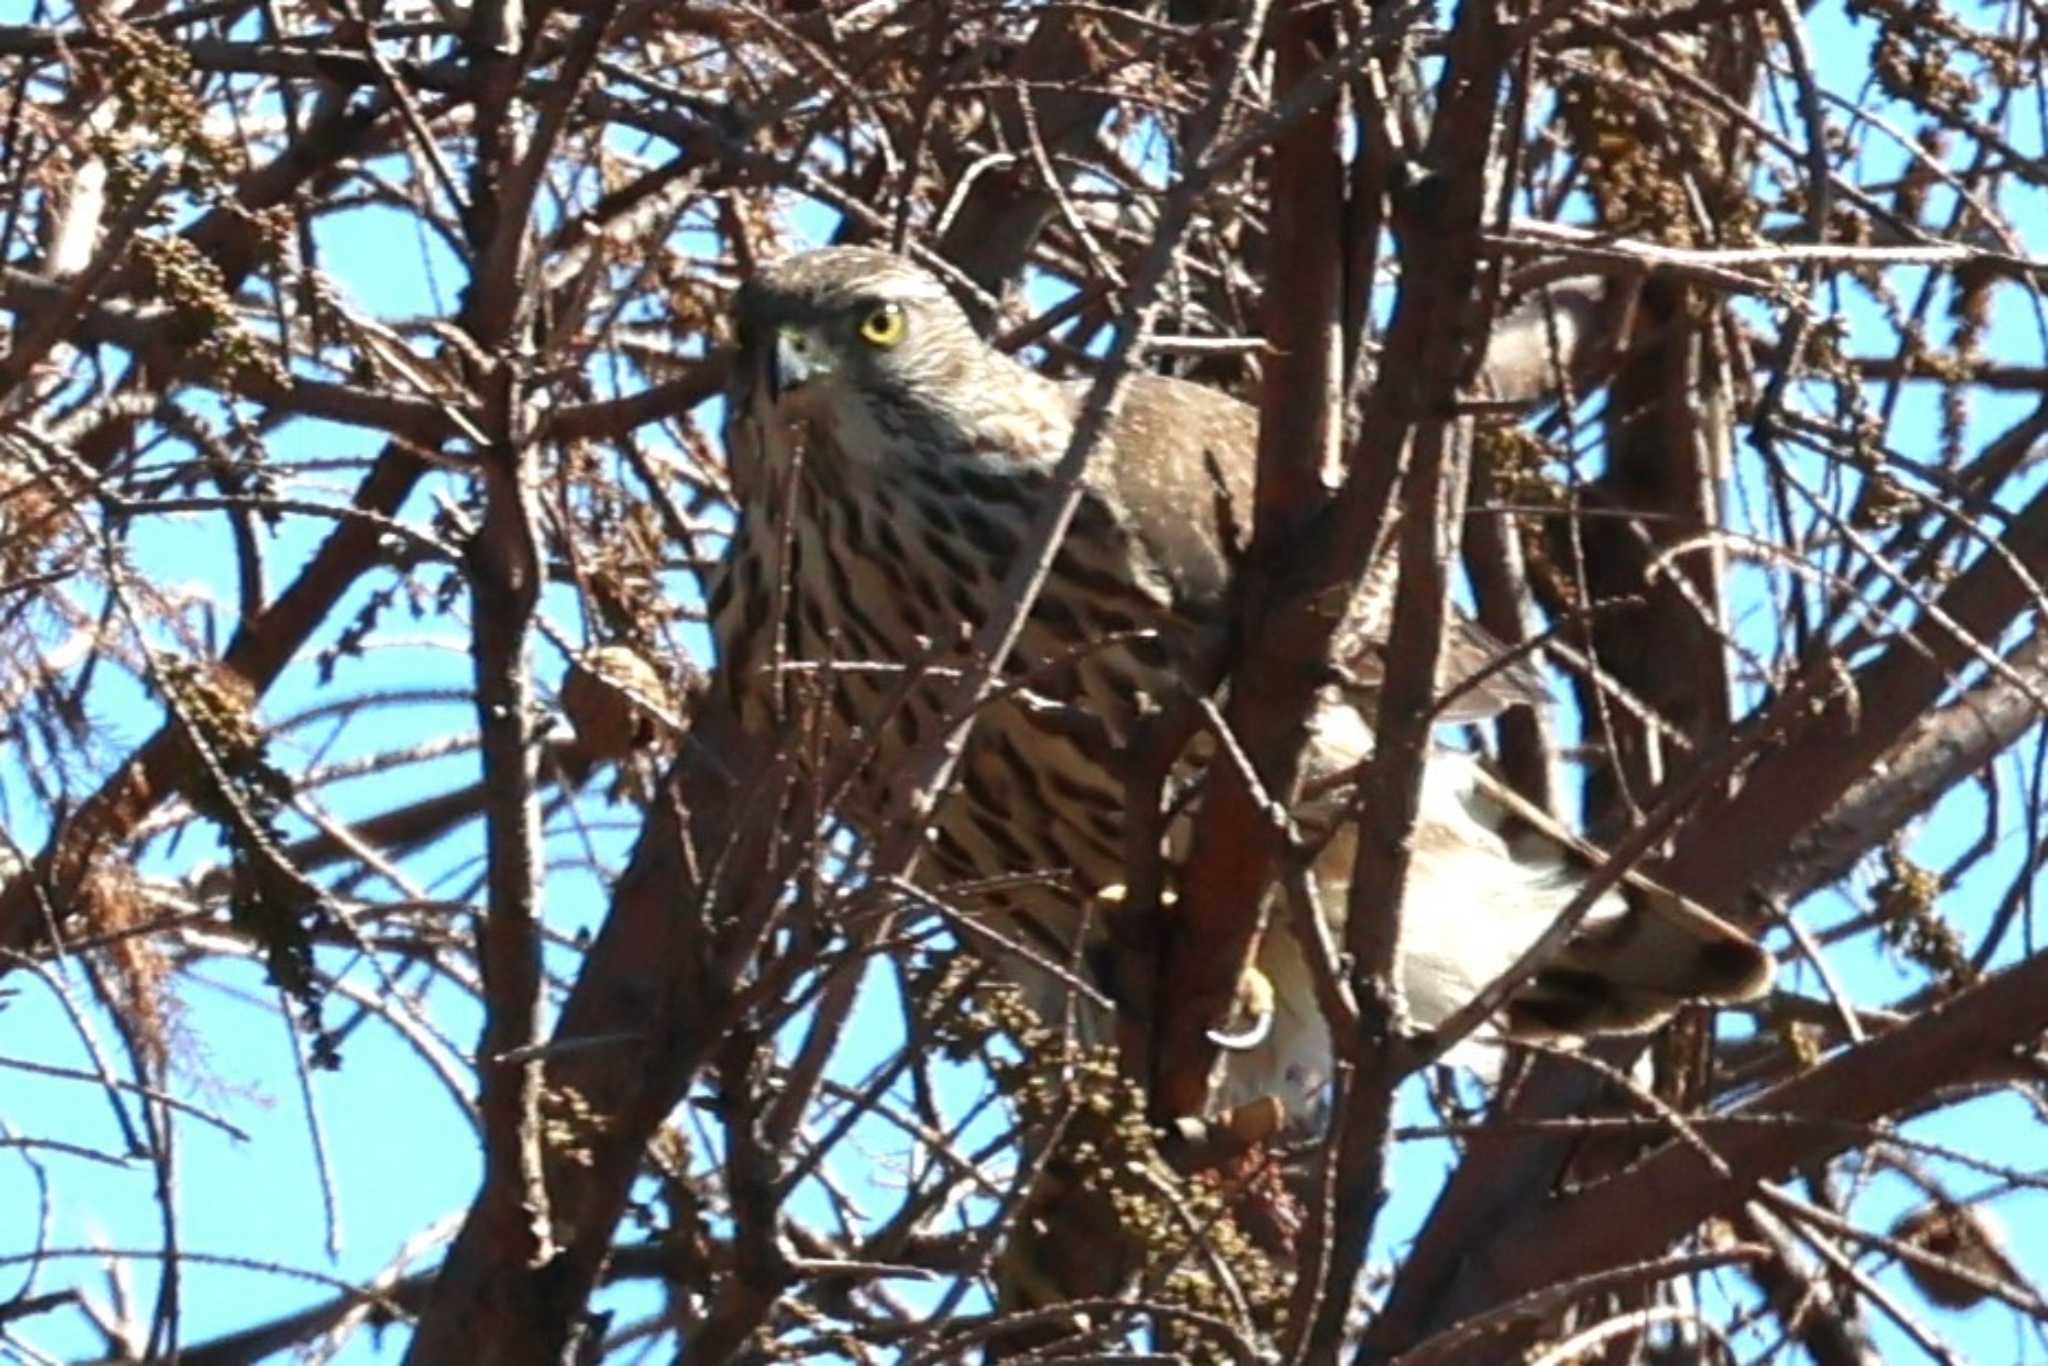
(794, 363)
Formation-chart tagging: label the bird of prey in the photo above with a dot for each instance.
(888, 462)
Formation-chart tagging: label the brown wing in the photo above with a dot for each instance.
(1181, 460)
(1475, 664)
(1177, 467)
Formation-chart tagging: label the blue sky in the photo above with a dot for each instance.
(399, 1150)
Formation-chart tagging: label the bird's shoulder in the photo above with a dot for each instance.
(1176, 466)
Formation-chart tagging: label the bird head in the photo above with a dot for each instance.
(825, 330)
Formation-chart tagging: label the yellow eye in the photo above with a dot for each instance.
(882, 327)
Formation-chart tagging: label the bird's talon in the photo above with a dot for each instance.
(1247, 1039)
(1254, 1002)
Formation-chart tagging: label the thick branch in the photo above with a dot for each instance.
(1941, 749)
(1239, 836)
(1790, 789)
(481, 1299)
(1438, 222)
(1802, 1121)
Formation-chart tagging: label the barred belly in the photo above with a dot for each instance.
(889, 573)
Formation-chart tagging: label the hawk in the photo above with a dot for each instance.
(888, 463)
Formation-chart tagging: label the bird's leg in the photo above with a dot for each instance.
(1119, 961)
(1132, 919)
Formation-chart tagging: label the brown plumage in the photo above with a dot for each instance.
(888, 462)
